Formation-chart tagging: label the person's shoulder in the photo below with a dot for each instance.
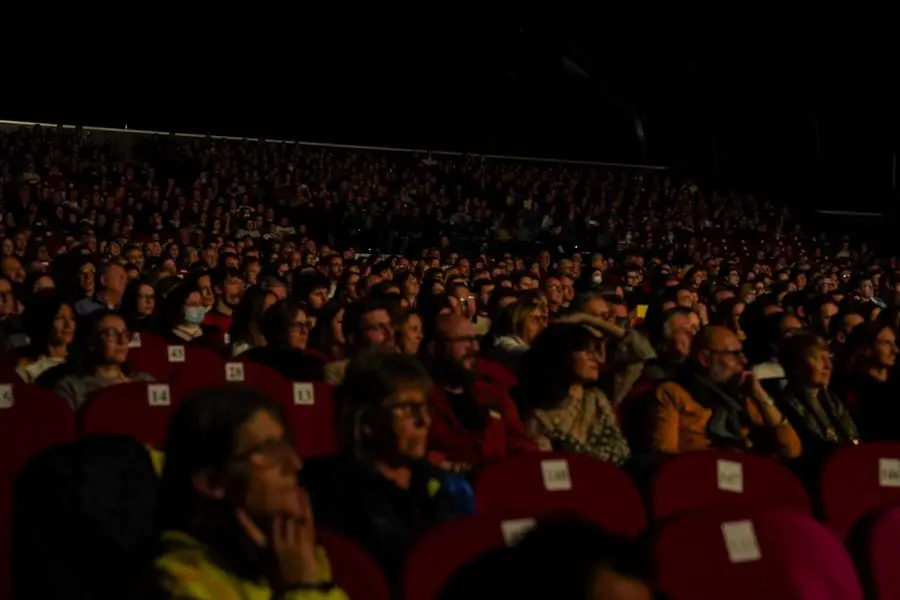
(339, 365)
(84, 304)
(670, 389)
(182, 569)
(451, 490)
(334, 372)
(68, 380)
(255, 354)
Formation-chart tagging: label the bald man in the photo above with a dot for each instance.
(12, 269)
(471, 420)
(717, 403)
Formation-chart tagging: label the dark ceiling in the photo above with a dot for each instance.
(800, 108)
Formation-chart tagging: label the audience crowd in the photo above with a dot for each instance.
(465, 309)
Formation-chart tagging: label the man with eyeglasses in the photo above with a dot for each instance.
(717, 403)
(472, 420)
(366, 325)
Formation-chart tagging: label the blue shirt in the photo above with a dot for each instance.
(92, 304)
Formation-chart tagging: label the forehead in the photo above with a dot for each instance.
(377, 316)
(725, 340)
(791, 322)
(259, 428)
(679, 321)
(110, 321)
(597, 303)
(853, 319)
(461, 327)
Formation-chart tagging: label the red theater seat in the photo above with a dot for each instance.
(712, 479)
(353, 569)
(141, 410)
(752, 554)
(536, 484)
(857, 480)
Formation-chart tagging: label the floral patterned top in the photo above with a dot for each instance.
(585, 424)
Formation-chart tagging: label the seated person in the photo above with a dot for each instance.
(671, 334)
(50, 323)
(286, 326)
(471, 420)
(381, 491)
(559, 399)
(183, 315)
(716, 403)
(104, 363)
(513, 332)
(140, 308)
(245, 333)
(366, 325)
(235, 523)
(818, 415)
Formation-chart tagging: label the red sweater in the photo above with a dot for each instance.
(216, 319)
(449, 439)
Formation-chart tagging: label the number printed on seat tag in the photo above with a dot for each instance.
(515, 529)
(730, 476)
(158, 394)
(304, 393)
(889, 472)
(556, 475)
(234, 371)
(176, 354)
(740, 541)
(7, 400)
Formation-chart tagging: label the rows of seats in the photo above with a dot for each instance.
(721, 521)
(37, 418)
(744, 518)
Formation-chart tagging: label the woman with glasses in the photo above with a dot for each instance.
(285, 327)
(561, 405)
(105, 360)
(234, 522)
(380, 490)
(139, 307)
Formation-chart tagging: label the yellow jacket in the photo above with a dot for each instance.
(184, 572)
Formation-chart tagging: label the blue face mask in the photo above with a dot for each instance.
(194, 315)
